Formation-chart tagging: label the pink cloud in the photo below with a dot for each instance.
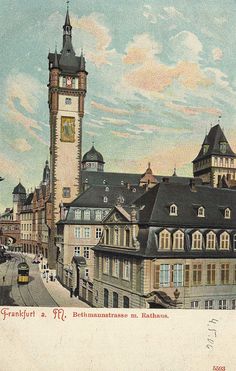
(193, 111)
(100, 34)
(122, 134)
(114, 110)
(217, 54)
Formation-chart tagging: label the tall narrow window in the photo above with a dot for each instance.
(196, 240)
(224, 273)
(210, 240)
(78, 214)
(77, 232)
(173, 210)
(107, 237)
(126, 270)
(178, 240)
(86, 214)
(106, 298)
(164, 240)
(98, 233)
(86, 252)
(178, 275)
(115, 300)
(115, 267)
(164, 275)
(234, 241)
(227, 213)
(223, 304)
(197, 274)
(127, 237)
(106, 263)
(211, 274)
(77, 251)
(87, 232)
(224, 241)
(116, 236)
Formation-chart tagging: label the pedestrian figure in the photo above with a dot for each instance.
(71, 292)
(3, 279)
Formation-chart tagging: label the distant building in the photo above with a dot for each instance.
(174, 248)
(215, 159)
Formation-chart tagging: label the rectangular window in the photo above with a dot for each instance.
(209, 304)
(98, 233)
(164, 275)
(187, 275)
(86, 214)
(78, 214)
(86, 252)
(87, 232)
(224, 273)
(126, 270)
(77, 251)
(211, 274)
(197, 274)
(233, 304)
(98, 214)
(223, 304)
(66, 192)
(115, 267)
(156, 276)
(86, 273)
(194, 304)
(77, 233)
(178, 275)
(106, 263)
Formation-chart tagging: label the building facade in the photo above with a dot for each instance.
(176, 248)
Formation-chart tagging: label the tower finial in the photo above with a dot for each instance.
(219, 117)
(68, 4)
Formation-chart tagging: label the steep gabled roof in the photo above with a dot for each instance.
(214, 138)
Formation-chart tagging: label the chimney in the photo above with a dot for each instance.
(192, 184)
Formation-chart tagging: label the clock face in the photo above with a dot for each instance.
(69, 81)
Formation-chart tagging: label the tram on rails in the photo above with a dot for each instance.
(23, 273)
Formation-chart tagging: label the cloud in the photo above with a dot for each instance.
(92, 133)
(185, 46)
(141, 49)
(217, 54)
(21, 145)
(193, 111)
(167, 13)
(100, 38)
(150, 129)
(172, 12)
(113, 121)
(22, 99)
(149, 14)
(122, 134)
(114, 110)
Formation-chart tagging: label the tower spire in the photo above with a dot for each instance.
(67, 28)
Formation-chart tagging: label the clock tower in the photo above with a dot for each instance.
(66, 93)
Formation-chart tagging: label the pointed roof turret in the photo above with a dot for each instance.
(218, 144)
(67, 20)
(82, 61)
(148, 177)
(55, 62)
(174, 173)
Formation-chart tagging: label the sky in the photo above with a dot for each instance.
(160, 75)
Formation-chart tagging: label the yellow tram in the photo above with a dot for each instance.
(23, 273)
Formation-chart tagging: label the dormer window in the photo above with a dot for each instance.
(104, 181)
(134, 189)
(201, 212)
(223, 147)
(227, 213)
(87, 214)
(173, 210)
(105, 199)
(205, 148)
(107, 189)
(122, 182)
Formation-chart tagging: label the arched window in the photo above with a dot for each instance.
(106, 298)
(178, 240)
(115, 300)
(224, 241)
(196, 240)
(227, 213)
(127, 237)
(116, 236)
(125, 302)
(210, 240)
(164, 240)
(173, 210)
(105, 199)
(107, 189)
(201, 212)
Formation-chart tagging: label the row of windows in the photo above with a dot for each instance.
(26, 227)
(114, 236)
(115, 300)
(86, 214)
(166, 275)
(176, 241)
(10, 228)
(211, 304)
(26, 216)
(217, 161)
(86, 252)
(114, 268)
(85, 232)
(25, 236)
(200, 212)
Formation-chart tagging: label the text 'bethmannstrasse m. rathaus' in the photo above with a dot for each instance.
(126, 240)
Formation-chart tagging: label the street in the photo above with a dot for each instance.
(33, 294)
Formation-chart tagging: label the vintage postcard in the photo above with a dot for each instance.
(118, 185)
